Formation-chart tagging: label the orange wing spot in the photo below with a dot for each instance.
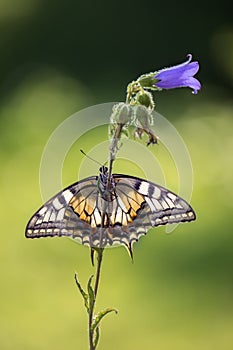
(88, 219)
(124, 219)
(135, 200)
(89, 207)
(83, 207)
(77, 203)
(132, 200)
(132, 213)
(83, 216)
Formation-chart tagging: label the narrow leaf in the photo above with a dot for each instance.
(91, 293)
(84, 294)
(97, 336)
(100, 315)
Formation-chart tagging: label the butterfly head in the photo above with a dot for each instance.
(103, 170)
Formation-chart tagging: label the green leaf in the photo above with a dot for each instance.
(91, 293)
(100, 315)
(84, 294)
(96, 336)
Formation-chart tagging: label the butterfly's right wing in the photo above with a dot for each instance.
(144, 205)
(160, 205)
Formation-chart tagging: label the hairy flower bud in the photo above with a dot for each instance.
(122, 113)
(143, 117)
(147, 81)
(146, 99)
(143, 121)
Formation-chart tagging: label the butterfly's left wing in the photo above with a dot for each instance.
(69, 213)
(80, 212)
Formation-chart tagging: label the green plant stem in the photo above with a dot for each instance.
(99, 251)
(96, 286)
(90, 329)
(98, 269)
(113, 150)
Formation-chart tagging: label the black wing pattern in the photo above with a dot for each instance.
(136, 205)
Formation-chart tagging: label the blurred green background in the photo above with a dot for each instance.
(57, 58)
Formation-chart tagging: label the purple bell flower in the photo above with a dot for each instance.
(178, 76)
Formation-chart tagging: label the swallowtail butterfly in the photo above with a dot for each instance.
(105, 210)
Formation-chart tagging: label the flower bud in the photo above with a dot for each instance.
(143, 122)
(147, 81)
(146, 99)
(142, 116)
(122, 113)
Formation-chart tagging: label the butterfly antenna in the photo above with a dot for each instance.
(94, 160)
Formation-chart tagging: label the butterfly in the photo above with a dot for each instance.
(105, 210)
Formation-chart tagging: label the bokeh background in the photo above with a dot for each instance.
(57, 58)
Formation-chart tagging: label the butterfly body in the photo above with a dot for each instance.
(105, 210)
(105, 184)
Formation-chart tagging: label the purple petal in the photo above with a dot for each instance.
(179, 76)
(168, 84)
(194, 84)
(192, 68)
(190, 82)
(174, 69)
